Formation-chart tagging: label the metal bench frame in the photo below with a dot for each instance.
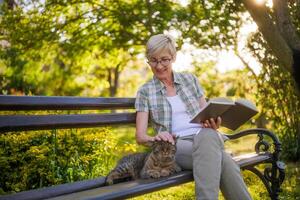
(272, 176)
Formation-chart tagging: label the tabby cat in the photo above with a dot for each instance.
(157, 163)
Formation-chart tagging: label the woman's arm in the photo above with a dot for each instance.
(141, 128)
(202, 101)
(214, 124)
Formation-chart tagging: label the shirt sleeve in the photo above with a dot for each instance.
(199, 89)
(141, 102)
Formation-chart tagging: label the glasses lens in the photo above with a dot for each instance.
(165, 62)
(153, 63)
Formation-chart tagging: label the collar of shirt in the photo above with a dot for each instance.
(159, 86)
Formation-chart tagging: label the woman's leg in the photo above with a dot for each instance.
(184, 150)
(232, 184)
(212, 167)
(207, 161)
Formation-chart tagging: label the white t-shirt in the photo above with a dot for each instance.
(181, 125)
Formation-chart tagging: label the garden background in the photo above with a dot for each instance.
(237, 48)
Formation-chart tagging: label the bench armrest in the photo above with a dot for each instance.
(262, 145)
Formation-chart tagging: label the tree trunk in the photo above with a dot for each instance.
(113, 80)
(11, 4)
(286, 27)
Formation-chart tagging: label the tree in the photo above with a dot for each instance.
(276, 26)
(276, 95)
(277, 47)
(76, 27)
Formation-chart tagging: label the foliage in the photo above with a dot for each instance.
(217, 84)
(277, 96)
(209, 24)
(277, 91)
(69, 47)
(31, 160)
(74, 42)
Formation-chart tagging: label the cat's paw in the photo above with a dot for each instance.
(177, 169)
(109, 180)
(154, 174)
(165, 172)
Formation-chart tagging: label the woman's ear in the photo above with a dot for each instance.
(174, 58)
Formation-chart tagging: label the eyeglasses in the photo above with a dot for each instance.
(164, 62)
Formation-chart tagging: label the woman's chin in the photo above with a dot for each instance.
(163, 74)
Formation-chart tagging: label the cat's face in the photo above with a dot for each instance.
(164, 151)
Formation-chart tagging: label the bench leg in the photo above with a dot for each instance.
(272, 178)
(275, 175)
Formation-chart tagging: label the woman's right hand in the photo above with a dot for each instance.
(165, 136)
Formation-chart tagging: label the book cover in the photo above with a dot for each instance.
(233, 113)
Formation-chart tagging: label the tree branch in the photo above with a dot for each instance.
(248, 67)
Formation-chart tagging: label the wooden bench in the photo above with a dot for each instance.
(272, 174)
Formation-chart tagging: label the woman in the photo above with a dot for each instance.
(171, 100)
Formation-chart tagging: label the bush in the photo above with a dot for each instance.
(30, 160)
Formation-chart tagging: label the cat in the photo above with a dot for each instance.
(159, 162)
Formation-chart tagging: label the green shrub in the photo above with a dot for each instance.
(37, 159)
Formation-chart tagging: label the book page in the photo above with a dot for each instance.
(239, 114)
(222, 100)
(214, 108)
(246, 103)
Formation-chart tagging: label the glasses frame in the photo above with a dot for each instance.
(159, 62)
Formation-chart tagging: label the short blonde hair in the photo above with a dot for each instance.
(160, 42)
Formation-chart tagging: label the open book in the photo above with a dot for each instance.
(233, 113)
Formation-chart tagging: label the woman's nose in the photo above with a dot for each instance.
(159, 66)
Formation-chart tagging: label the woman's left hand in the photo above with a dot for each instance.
(212, 123)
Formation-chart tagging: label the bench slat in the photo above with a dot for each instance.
(14, 103)
(48, 192)
(136, 188)
(130, 189)
(251, 159)
(43, 122)
(92, 189)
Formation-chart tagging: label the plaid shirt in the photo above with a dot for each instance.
(151, 97)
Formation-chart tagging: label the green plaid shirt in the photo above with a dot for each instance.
(151, 97)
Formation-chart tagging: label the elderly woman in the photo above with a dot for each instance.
(171, 100)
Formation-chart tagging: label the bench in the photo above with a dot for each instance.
(272, 174)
